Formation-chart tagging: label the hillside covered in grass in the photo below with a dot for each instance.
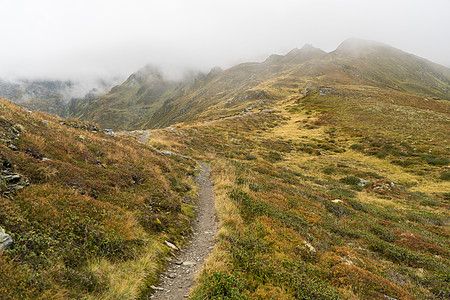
(340, 194)
(88, 213)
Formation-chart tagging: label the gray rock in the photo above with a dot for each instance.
(167, 152)
(12, 177)
(362, 182)
(109, 132)
(12, 147)
(5, 239)
(11, 182)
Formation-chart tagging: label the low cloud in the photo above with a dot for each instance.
(88, 40)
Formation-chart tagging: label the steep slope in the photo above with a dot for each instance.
(88, 213)
(129, 104)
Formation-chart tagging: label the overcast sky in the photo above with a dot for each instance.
(88, 38)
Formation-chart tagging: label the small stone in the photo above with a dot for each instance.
(170, 245)
(337, 201)
(189, 263)
(156, 288)
(171, 276)
(310, 247)
(12, 147)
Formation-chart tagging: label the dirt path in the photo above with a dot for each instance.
(177, 281)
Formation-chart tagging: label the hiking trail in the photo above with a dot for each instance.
(177, 281)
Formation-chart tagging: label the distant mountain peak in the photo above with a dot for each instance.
(310, 47)
(214, 72)
(306, 49)
(146, 73)
(297, 55)
(357, 46)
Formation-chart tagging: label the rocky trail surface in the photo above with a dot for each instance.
(177, 281)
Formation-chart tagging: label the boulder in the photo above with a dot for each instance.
(109, 132)
(362, 182)
(383, 187)
(5, 239)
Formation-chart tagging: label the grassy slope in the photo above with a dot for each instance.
(93, 221)
(294, 221)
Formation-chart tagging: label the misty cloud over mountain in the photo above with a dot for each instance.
(83, 41)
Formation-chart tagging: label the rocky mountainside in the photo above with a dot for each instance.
(148, 100)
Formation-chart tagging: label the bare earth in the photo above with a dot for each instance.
(177, 281)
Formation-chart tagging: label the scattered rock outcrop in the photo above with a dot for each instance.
(10, 182)
(79, 125)
(9, 132)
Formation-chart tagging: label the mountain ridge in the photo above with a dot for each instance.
(245, 85)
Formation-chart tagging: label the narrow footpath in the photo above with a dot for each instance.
(178, 280)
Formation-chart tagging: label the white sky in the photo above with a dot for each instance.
(62, 39)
